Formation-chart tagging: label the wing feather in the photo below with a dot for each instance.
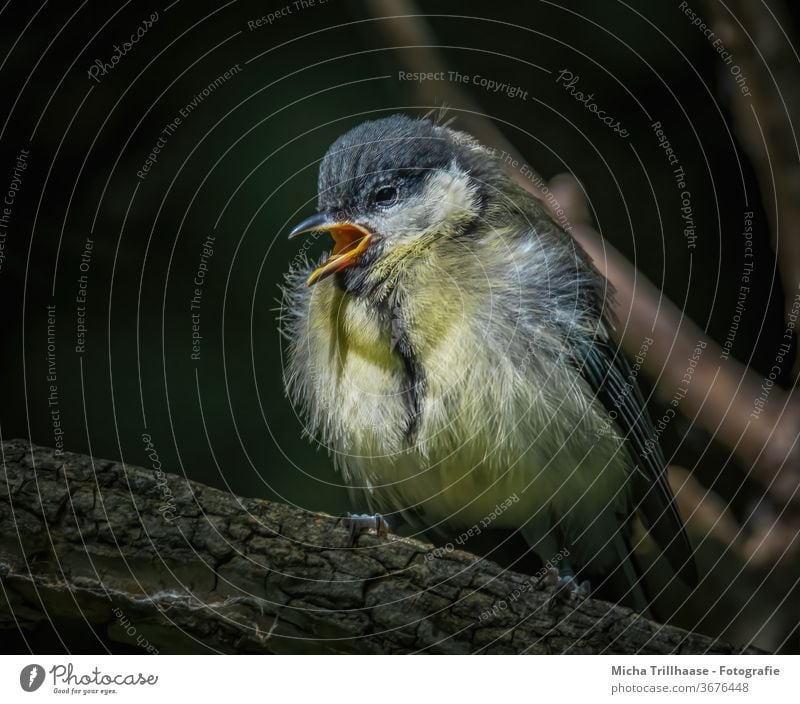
(608, 374)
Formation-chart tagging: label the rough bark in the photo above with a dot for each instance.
(176, 566)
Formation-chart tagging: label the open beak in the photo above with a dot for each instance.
(350, 241)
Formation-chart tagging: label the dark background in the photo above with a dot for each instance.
(246, 159)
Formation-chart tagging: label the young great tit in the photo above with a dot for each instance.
(453, 354)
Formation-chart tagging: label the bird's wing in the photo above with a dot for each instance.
(609, 375)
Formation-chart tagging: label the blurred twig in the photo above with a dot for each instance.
(721, 396)
(751, 568)
(760, 36)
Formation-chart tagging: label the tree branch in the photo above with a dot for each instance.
(170, 565)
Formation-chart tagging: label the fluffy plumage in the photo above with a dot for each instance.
(465, 357)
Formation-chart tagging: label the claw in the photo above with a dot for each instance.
(358, 523)
(565, 587)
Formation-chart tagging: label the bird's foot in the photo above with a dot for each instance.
(358, 523)
(565, 587)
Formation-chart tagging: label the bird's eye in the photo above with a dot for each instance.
(386, 196)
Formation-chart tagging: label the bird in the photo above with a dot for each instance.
(454, 354)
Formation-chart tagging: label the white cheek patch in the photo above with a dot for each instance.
(448, 199)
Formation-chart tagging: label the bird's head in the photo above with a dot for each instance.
(394, 182)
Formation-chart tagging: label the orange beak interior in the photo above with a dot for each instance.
(350, 241)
